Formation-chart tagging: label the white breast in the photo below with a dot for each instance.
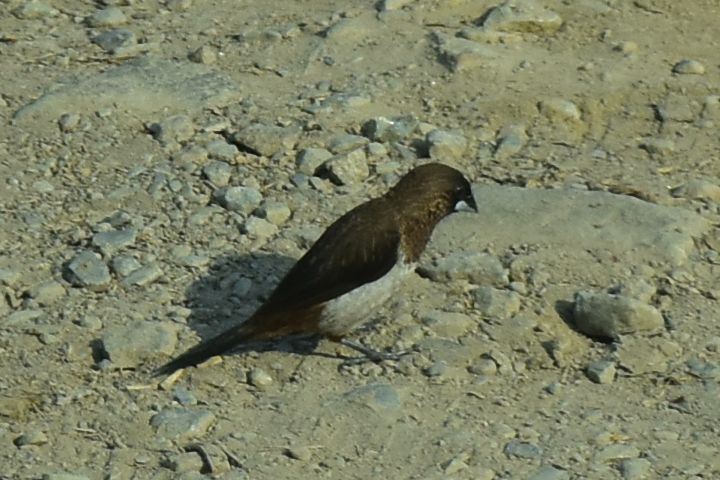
(348, 311)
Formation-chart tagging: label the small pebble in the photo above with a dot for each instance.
(446, 145)
(107, 17)
(239, 199)
(218, 173)
(299, 453)
(257, 377)
(259, 228)
(124, 265)
(144, 275)
(689, 67)
(520, 449)
(276, 213)
(88, 270)
(608, 316)
(349, 168)
(205, 55)
(602, 372)
(176, 128)
(182, 424)
(494, 302)
(310, 159)
(33, 437)
(635, 468)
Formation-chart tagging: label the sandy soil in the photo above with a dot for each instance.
(125, 121)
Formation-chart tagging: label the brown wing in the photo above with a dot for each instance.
(360, 247)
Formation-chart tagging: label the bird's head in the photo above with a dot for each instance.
(436, 188)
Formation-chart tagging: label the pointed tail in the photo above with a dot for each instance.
(221, 343)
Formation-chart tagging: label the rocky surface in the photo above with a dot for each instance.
(162, 164)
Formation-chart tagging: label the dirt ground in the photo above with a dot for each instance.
(589, 127)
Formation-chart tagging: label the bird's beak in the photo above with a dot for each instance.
(468, 205)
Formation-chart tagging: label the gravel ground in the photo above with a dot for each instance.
(162, 164)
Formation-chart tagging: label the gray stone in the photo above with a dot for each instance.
(43, 186)
(112, 241)
(88, 270)
(615, 452)
(33, 10)
(675, 108)
(130, 345)
(90, 323)
(641, 356)
(47, 292)
(689, 67)
(144, 87)
(658, 146)
(107, 17)
(68, 122)
(476, 267)
(124, 265)
(33, 437)
(239, 199)
(510, 141)
(376, 396)
(176, 128)
(310, 159)
(301, 453)
(608, 316)
(143, 276)
(23, 318)
(64, 476)
(484, 366)
(206, 55)
(375, 149)
(447, 324)
(352, 30)
(601, 371)
(559, 110)
(636, 288)
(113, 41)
(704, 370)
(267, 140)
(276, 213)
(259, 228)
(259, 378)
(493, 302)
(184, 462)
(221, 150)
(218, 173)
(9, 276)
(635, 468)
(390, 5)
(348, 169)
(395, 129)
(195, 261)
(346, 143)
(698, 190)
(624, 226)
(182, 424)
(446, 145)
(522, 16)
(549, 472)
(520, 449)
(460, 54)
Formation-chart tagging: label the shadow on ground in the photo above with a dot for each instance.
(234, 287)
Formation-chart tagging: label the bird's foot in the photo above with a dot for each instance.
(369, 354)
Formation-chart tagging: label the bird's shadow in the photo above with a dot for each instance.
(233, 288)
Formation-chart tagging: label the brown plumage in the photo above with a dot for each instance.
(352, 268)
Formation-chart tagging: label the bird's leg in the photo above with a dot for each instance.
(370, 354)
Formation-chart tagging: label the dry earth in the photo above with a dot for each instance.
(163, 163)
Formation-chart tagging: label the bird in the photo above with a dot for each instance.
(353, 268)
